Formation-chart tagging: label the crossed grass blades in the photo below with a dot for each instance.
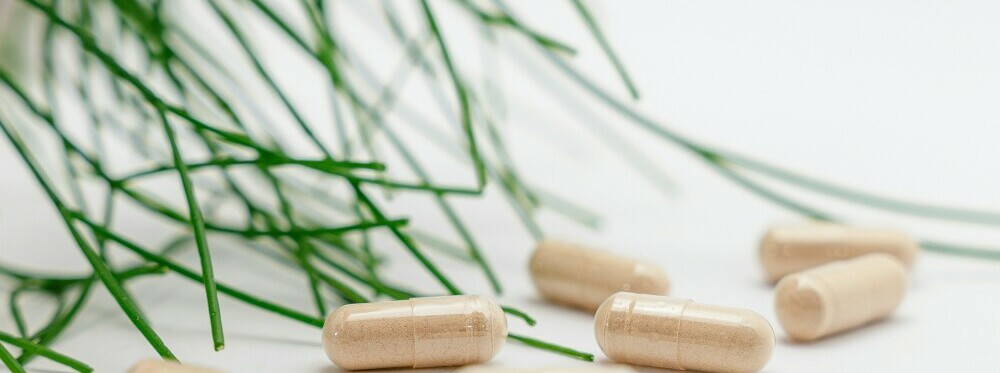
(149, 83)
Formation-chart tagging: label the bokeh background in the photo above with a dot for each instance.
(897, 97)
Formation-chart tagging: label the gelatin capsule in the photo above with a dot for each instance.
(792, 248)
(163, 366)
(415, 333)
(839, 296)
(676, 333)
(582, 277)
(591, 369)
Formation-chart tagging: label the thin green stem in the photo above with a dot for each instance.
(50, 332)
(862, 197)
(519, 314)
(606, 47)
(200, 238)
(28, 346)
(100, 267)
(328, 166)
(406, 240)
(463, 97)
(551, 347)
(958, 250)
(9, 361)
(191, 275)
(719, 159)
(506, 20)
(15, 312)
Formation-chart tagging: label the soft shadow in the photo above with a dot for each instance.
(848, 335)
(274, 339)
(542, 303)
(335, 369)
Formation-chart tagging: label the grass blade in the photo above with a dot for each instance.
(27, 346)
(606, 47)
(100, 267)
(200, 239)
(551, 347)
(9, 361)
(463, 98)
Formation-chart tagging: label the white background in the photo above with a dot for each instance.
(898, 97)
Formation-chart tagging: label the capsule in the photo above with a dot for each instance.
(583, 278)
(592, 369)
(789, 249)
(839, 296)
(163, 366)
(415, 333)
(676, 333)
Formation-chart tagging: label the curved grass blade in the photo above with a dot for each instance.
(551, 347)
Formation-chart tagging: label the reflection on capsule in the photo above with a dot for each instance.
(591, 369)
(839, 296)
(415, 333)
(582, 277)
(792, 248)
(676, 333)
(162, 366)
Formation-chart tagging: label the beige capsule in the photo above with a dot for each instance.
(583, 277)
(791, 248)
(162, 366)
(415, 333)
(676, 333)
(839, 296)
(591, 369)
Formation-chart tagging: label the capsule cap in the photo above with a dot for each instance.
(839, 296)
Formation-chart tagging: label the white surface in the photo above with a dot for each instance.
(897, 97)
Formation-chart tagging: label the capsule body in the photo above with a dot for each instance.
(162, 366)
(676, 333)
(592, 369)
(839, 296)
(415, 333)
(792, 248)
(582, 277)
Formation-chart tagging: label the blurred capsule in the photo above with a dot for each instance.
(582, 277)
(163, 366)
(415, 333)
(590, 369)
(676, 333)
(792, 248)
(839, 296)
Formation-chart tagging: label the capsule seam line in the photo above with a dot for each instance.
(628, 319)
(492, 331)
(469, 332)
(677, 337)
(413, 330)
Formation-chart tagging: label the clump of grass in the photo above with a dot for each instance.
(149, 83)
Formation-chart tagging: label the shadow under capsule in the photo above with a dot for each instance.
(847, 336)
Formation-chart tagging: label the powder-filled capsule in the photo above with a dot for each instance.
(162, 366)
(592, 369)
(415, 333)
(676, 333)
(583, 277)
(792, 248)
(839, 296)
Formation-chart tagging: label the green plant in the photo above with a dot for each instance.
(178, 105)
